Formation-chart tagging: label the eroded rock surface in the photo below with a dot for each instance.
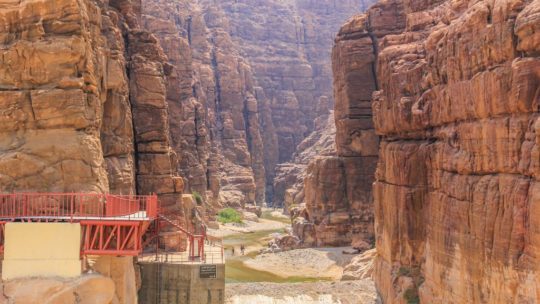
(249, 83)
(456, 104)
(82, 99)
(337, 190)
(88, 289)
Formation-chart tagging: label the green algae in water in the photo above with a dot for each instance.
(237, 272)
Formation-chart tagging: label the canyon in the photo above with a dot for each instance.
(408, 126)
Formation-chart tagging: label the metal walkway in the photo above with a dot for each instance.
(120, 225)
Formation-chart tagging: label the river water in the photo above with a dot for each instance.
(235, 269)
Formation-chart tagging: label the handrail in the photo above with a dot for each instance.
(195, 240)
(73, 206)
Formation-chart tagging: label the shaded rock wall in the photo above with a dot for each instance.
(248, 83)
(327, 187)
(289, 180)
(338, 196)
(456, 188)
(288, 44)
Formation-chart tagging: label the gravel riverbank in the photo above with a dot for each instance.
(345, 292)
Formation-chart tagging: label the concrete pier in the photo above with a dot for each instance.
(169, 283)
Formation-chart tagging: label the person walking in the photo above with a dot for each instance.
(242, 249)
(233, 250)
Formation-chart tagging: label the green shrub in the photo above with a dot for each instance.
(229, 215)
(198, 197)
(411, 296)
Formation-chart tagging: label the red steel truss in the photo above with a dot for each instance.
(111, 238)
(110, 224)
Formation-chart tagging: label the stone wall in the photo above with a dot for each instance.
(456, 104)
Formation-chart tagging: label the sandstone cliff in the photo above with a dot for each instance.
(250, 79)
(82, 98)
(456, 102)
(336, 200)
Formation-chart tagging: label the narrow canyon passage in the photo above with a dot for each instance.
(269, 151)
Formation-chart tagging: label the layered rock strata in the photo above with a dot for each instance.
(248, 80)
(83, 109)
(456, 189)
(337, 188)
(291, 65)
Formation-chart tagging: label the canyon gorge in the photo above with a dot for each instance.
(411, 127)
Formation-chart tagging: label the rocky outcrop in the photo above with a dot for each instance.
(95, 289)
(289, 180)
(456, 104)
(122, 273)
(360, 267)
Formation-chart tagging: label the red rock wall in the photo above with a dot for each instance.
(51, 97)
(288, 45)
(456, 188)
(82, 103)
(245, 90)
(338, 188)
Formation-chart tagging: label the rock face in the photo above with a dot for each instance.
(337, 188)
(289, 180)
(83, 108)
(456, 102)
(88, 289)
(249, 81)
(126, 96)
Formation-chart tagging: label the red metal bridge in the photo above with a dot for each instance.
(110, 224)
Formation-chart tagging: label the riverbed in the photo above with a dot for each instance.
(347, 292)
(307, 276)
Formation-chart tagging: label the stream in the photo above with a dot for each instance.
(235, 269)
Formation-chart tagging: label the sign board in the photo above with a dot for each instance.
(208, 272)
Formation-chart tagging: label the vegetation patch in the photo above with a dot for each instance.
(198, 197)
(411, 296)
(229, 215)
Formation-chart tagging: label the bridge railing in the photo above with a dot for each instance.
(72, 206)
